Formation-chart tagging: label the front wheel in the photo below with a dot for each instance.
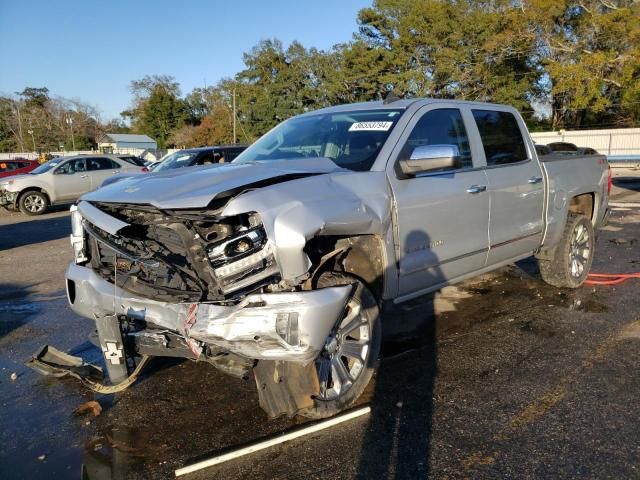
(350, 355)
(33, 203)
(573, 256)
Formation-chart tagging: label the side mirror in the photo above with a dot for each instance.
(429, 158)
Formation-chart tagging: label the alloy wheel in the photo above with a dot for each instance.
(345, 353)
(580, 249)
(34, 203)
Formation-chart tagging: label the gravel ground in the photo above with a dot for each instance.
(502, 377)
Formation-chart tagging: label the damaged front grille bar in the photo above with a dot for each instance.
(144, 261)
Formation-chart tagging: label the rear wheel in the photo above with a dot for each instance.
(33, 203)
(350, 355)
(572, 259)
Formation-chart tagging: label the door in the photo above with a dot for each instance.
(71, 180)
(442, 217)
(515, 184)
(101, 168)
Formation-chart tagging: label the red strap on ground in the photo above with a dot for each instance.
(609, 278)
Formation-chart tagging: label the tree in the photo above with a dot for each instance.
(590, 50)
(443, 49)
(157, 109)
(35, 118)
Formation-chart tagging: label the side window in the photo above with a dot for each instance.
(441, 127)
(205, 158)
(99, 163)
(501, 137)
(232, 155)
(73, 166)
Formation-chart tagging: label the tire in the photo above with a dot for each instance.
(33, 202)
(573, 256)
(347, 337)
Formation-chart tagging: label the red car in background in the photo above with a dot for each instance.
(17, 166)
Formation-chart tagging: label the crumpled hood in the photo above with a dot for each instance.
(197, 187)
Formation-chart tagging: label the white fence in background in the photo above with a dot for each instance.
(619, 143)
(11, 156)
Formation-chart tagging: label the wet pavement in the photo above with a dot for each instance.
(501, 377)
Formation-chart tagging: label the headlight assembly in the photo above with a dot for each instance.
(242, 259)
(77, 235)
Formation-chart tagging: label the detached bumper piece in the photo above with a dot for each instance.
(52, 362)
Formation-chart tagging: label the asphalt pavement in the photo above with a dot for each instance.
(500, 377)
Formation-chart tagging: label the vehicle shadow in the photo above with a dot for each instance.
(31, 232)
(397, 441)
(16, 306)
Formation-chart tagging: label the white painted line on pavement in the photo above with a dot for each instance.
(270, 442)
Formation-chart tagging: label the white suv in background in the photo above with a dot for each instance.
(61, 180)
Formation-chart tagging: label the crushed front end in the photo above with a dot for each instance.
(193, 284)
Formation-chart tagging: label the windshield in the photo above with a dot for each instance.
(45, 167)
(176, 160)
(351, 139)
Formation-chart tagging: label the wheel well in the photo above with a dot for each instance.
(361, 256)
(34, 189)
(582, 204)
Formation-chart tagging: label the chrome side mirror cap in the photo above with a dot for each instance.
(429, 158)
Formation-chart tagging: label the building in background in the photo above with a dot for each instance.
(122, 142)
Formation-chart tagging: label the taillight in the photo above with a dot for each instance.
(609, 181)
(144, 169)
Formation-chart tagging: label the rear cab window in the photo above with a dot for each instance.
(501, 137)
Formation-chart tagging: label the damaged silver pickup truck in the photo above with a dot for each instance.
(280, 263)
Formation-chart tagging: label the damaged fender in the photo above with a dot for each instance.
(329, 206)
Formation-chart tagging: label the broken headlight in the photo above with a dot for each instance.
(242, 259)
(77, 235)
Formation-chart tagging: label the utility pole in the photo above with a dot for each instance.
(69, 121)
(30, 132)
(234, 116)
(20, 138)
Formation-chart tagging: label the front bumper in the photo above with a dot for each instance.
(289, 326)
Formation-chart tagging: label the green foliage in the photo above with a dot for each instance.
(158, 110)
(578, 59)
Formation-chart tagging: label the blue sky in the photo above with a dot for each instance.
(91, 50)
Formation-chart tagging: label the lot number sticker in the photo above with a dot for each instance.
(370, 126)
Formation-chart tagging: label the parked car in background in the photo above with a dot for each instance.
(191, 157)
(17, 166)
(140, 162)
(200, 156)
(565, 148)
(543, 150)
(562, 147)
(61, 180)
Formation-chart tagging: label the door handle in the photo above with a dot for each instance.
(534, 180)
(115, 171)
(476, 188)
(84, 176)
